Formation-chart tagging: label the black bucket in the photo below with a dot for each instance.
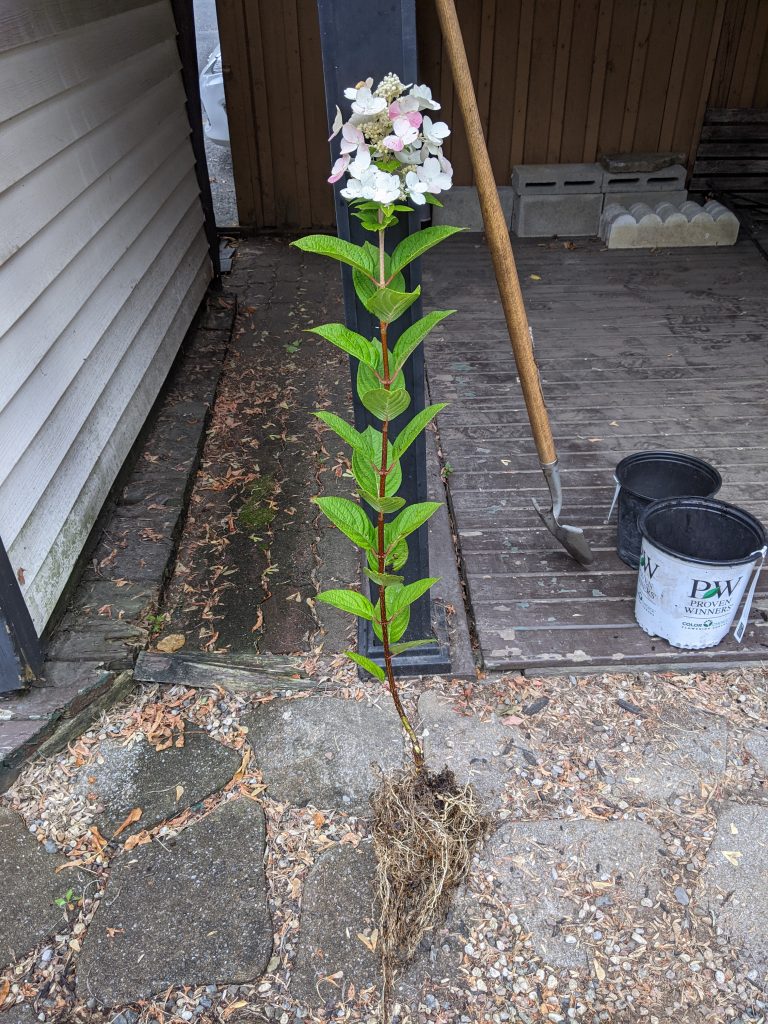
(653, 476)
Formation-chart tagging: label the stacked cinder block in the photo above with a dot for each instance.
(666, 225)
(636, 178)
(556, 199)
(461, 207)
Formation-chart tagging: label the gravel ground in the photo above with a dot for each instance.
(581, 749)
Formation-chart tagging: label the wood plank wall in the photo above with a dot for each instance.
(557, 80)
(103, 262)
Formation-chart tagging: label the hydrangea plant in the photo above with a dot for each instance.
(391, 153)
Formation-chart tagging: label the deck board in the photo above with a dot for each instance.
(637, 350)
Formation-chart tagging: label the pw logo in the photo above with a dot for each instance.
(647, 566)
(714, 588)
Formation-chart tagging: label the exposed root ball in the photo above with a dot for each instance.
(424, 831)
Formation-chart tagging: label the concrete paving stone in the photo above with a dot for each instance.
(21, 1013)
(733, 885)
(476, 751)
(189, 911)
(687, 754)
(530, 860)
(337, 906)
(30, 886)
(757, 745)
(140, 776)
(319, 750)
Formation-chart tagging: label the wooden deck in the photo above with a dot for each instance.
(638, 350)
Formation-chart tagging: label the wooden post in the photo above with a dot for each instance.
(21, 655)
(360, 40)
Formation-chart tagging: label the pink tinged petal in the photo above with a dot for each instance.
(392, 142)
(394, 110)
(414, 118)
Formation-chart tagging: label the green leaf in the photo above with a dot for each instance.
(397, 557)
(348, 341)
(415, 334)
(364, 467)
(386, 504)
(407, 645)
(367, 664)
(397, 624)
(386, 404)
(338, 249)
(384, 579)
(410, 519)
(368, 381)
(411, 430)
(432, 200)
(387, 304)
(348, 601)
(354, 439)
(399, 597)
(350, 518)
(414, 245)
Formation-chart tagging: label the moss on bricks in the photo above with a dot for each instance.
(255, 513)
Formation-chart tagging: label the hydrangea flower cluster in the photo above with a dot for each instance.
(391, 148)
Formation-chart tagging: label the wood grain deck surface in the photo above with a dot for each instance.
(637, 350)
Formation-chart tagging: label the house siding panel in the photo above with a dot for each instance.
(103, 262)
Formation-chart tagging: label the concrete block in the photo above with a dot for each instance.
(538, 216)
(629, 163)
(677, 196)
(667, 225)
(668, 179)
(461, 207)
(556, 179)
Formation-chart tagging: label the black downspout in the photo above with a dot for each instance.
(360, 40)
(184, 16)
(21, 654)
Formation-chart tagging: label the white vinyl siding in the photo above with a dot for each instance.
(103, 262)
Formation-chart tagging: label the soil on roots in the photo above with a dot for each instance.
(425, 829)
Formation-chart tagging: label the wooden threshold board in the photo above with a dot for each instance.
(639, 350)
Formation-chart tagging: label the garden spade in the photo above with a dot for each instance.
(497, 233)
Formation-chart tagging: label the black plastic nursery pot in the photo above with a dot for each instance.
(646, 477)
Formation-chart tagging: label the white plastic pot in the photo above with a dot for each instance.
(698, 558)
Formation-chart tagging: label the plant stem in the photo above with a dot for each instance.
(416, 749)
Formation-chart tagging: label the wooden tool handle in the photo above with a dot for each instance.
(497, 233)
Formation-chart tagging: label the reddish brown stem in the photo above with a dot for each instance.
(416, 749)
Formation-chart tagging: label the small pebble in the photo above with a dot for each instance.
(682, 896)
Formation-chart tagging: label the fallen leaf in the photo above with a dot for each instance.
(370, 941)
(179, 793)
(733, 856)
(319, 819)
(599, 972)
(512, 720)
(535, 277)
(139, 839)
(20, 575)
(5, 988)
(171, 643)
(132, 818)
(734, 830)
